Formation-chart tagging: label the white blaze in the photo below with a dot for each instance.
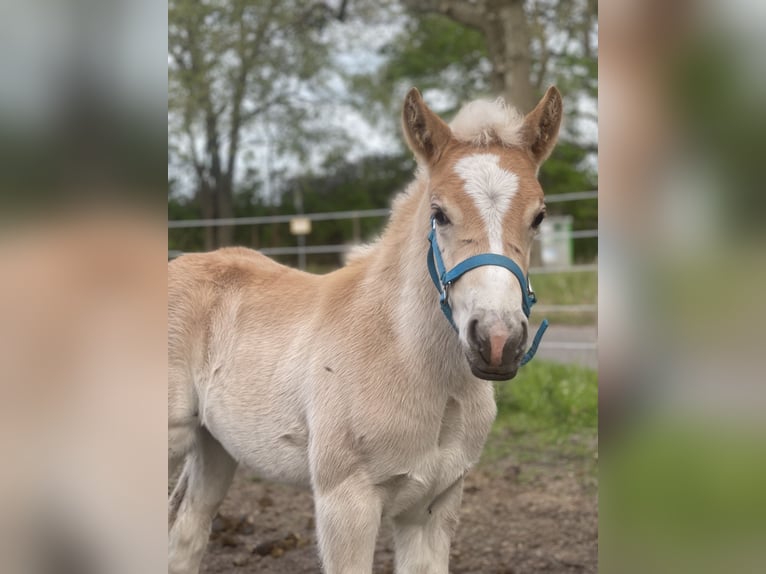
(492, 189)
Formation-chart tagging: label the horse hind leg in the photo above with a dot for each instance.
(183, 427)
(202, 485)
(177, 496)
(183, 420)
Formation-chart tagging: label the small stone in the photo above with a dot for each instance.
(263, 549)
(219, 523)
(245, 526)
(290, 541)
(229, 540)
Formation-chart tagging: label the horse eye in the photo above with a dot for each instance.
(538, 220)
(440, 218)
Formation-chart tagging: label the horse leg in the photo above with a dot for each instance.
(207, 474)
(183, 418)
(348, 517)
(422, 539)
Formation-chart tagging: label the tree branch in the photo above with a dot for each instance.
(472, 14)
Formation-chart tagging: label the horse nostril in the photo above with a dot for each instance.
(473, 334)
(479, 342)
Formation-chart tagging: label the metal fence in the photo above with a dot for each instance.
(584, 350)
(352, 214)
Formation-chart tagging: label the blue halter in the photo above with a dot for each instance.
(443, 279)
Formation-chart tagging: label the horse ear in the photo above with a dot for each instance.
(541, 125)
(426, 133)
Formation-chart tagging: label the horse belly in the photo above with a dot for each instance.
(262, 427)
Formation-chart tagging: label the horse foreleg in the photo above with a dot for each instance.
(422, 539)
(206, 477)
(348, 517)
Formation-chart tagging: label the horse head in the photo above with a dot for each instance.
(486, 206)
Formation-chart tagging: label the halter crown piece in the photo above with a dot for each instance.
(443, 279)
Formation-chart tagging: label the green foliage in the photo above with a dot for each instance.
(549, 412)
(567, 170)
(235, 69)
(265, 49)
(367, 184)
(684, 493)
(567, 289)
(549, 396)
(183, 207)
(435, 52)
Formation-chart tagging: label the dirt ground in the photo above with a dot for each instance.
(516, 518)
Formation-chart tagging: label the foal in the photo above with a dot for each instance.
(354, 382)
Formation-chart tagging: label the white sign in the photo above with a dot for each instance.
(300, 226)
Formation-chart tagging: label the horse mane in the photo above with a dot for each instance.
(485, 122)
(359, 252)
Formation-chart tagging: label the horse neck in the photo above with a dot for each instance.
(398, 273)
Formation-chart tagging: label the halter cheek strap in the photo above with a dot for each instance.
(443, 279)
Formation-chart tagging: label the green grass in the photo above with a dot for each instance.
(549, 410)
(685, 490)
(548, 395)
(579, 288)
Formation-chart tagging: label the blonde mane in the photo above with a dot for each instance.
(484, 122)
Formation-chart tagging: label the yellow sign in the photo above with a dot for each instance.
(300, 226)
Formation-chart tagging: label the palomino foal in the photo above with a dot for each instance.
(354, 382)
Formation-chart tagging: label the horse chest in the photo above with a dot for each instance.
(463, 430)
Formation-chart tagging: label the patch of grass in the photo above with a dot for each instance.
(549, 411)
(686, 491)
(579, 288)
(551, 395)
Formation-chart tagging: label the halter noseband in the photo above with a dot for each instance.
(443, 279)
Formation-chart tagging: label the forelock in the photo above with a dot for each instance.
(485, 122)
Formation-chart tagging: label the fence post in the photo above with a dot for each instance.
(357, 231)
(302, 252)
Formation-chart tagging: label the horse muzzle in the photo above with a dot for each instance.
(495, 347)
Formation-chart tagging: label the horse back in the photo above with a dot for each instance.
(215, 297)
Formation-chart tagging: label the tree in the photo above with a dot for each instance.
(512, 48)
(524, 39)
(237, 65)
(249, 73)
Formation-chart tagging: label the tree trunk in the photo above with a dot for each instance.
(506, 27)
(516, 63)
(225, 210)
(208, 212)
